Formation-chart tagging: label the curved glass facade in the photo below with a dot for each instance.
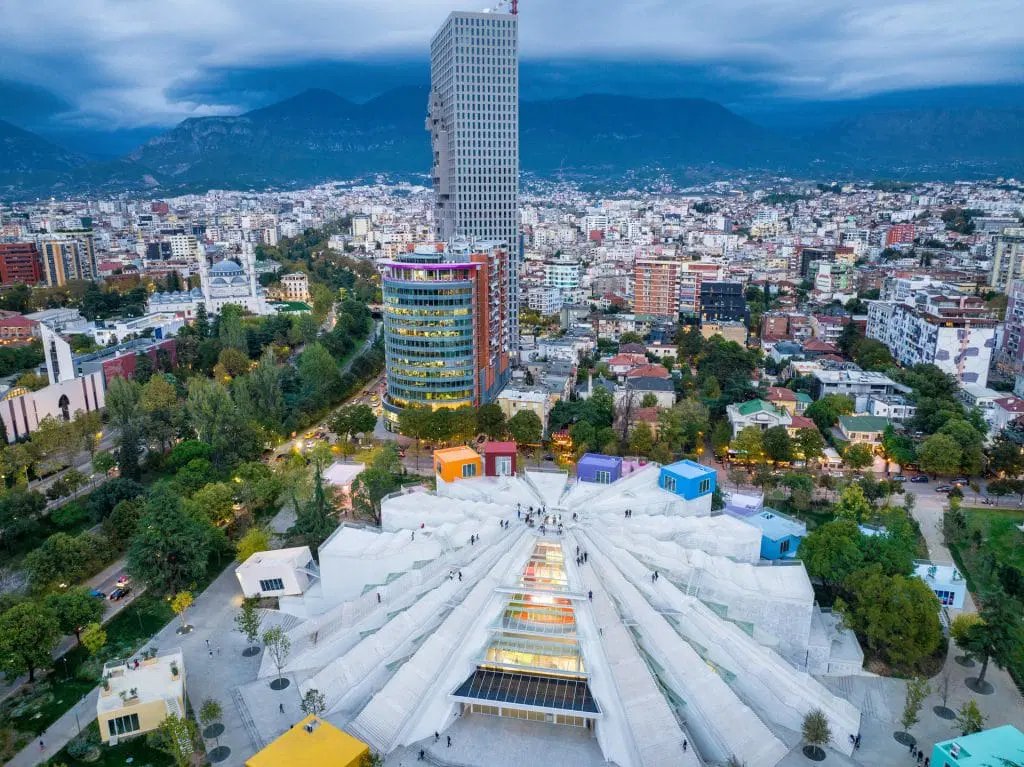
(428, 333)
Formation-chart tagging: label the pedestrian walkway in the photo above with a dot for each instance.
(59, 733)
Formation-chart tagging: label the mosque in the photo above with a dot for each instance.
(225, 282)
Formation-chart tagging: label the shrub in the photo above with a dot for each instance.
(69, 515)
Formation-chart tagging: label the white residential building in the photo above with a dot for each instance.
(950, 330)
(295, 286)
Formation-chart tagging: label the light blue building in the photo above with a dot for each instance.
(780, 535)
(688, 479)
(998, 746)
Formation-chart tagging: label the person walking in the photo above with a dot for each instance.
(590, 595)
(449, 741)
(437, 736)
(378, 597)
(42, 747)
(423, 754)
(280, 706)
(685, 745)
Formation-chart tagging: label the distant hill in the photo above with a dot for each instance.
(929, 138)
(28, 160)
(317, 136)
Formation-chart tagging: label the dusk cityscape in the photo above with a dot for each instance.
(586, 385)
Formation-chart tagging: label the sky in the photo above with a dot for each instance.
(129, 64)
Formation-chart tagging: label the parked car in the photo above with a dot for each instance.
(919, 478)
(961, 481)
(98, 594)
(124, 580)
(120, 593)
(899, 478)
(943, 488)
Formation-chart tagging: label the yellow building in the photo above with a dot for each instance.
(137, 698)
(454, 463)
(311, 743)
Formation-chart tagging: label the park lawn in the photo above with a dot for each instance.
(1000, 536)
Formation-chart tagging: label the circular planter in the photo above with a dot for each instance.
(904, 738)
(814, 753)
(280, 684)
(979, 687)
(248, 652)
(964, 661)
(219, 754)
(944, 713)
(215, 730)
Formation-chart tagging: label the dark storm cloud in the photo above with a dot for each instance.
(157, 61)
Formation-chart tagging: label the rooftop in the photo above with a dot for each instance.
(931, 572)
(689, 469)
(311, 743)
(869, 423)
(986, 748)
(775, 526)
(460, 453)
(499, 448)
(153, 680)
(298, 555)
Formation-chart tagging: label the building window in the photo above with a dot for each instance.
(123, 725)
(503, 465)
(469, 470)
(784, 546)
(704, 486)
(669, 483)
(272, 584)
(603, 477)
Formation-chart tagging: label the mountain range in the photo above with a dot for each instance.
(318, 136)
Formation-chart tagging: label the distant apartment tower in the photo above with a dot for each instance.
(953, 331)
(723, 301)
(473, 119)
(1007, 258)
(900, 234)
(1011, 350)
(68, 257)
(656, 287)
(19, 264)
(446, 326)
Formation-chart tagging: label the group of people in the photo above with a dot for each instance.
(581, 556)
(916, 753)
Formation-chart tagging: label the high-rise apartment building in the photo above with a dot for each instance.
(1007, 258)
(68, 257)
(900, 234)
(473, 119)
(19, 264)
(656, 287)
(446, 326)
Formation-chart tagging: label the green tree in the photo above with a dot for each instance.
(826, 411)
(28, 634)
(809, 444)
(832, 552)
(917, 690)
(177, 737)
(210, 411)
(641, 440)
(170, 550)
(815, 730)
(353, 419)
(721, 435)
(490, 420)
(210, 712)
(777, 445)
(960, 628)
(231, 329)
(897, 616)
(319, 375)
(748, 444)
(160, 408)
(315, 519)
(217, 500)
(997, 635)
(649, 400)
(103, 462)
(858, 456)
(62, 558)
(525, 427)
(939, 454)
(314, 702)
(74, 609)
(256, 539)
(124, 408)
(93, 638)
(249, 619)
(969, 718)
(853, 505)
(278, 646)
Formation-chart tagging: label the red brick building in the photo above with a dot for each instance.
(20, 264)
(900, 234)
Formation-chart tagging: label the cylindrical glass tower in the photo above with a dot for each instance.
(428, 331)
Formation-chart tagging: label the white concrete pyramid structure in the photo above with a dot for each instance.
(643, 631)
